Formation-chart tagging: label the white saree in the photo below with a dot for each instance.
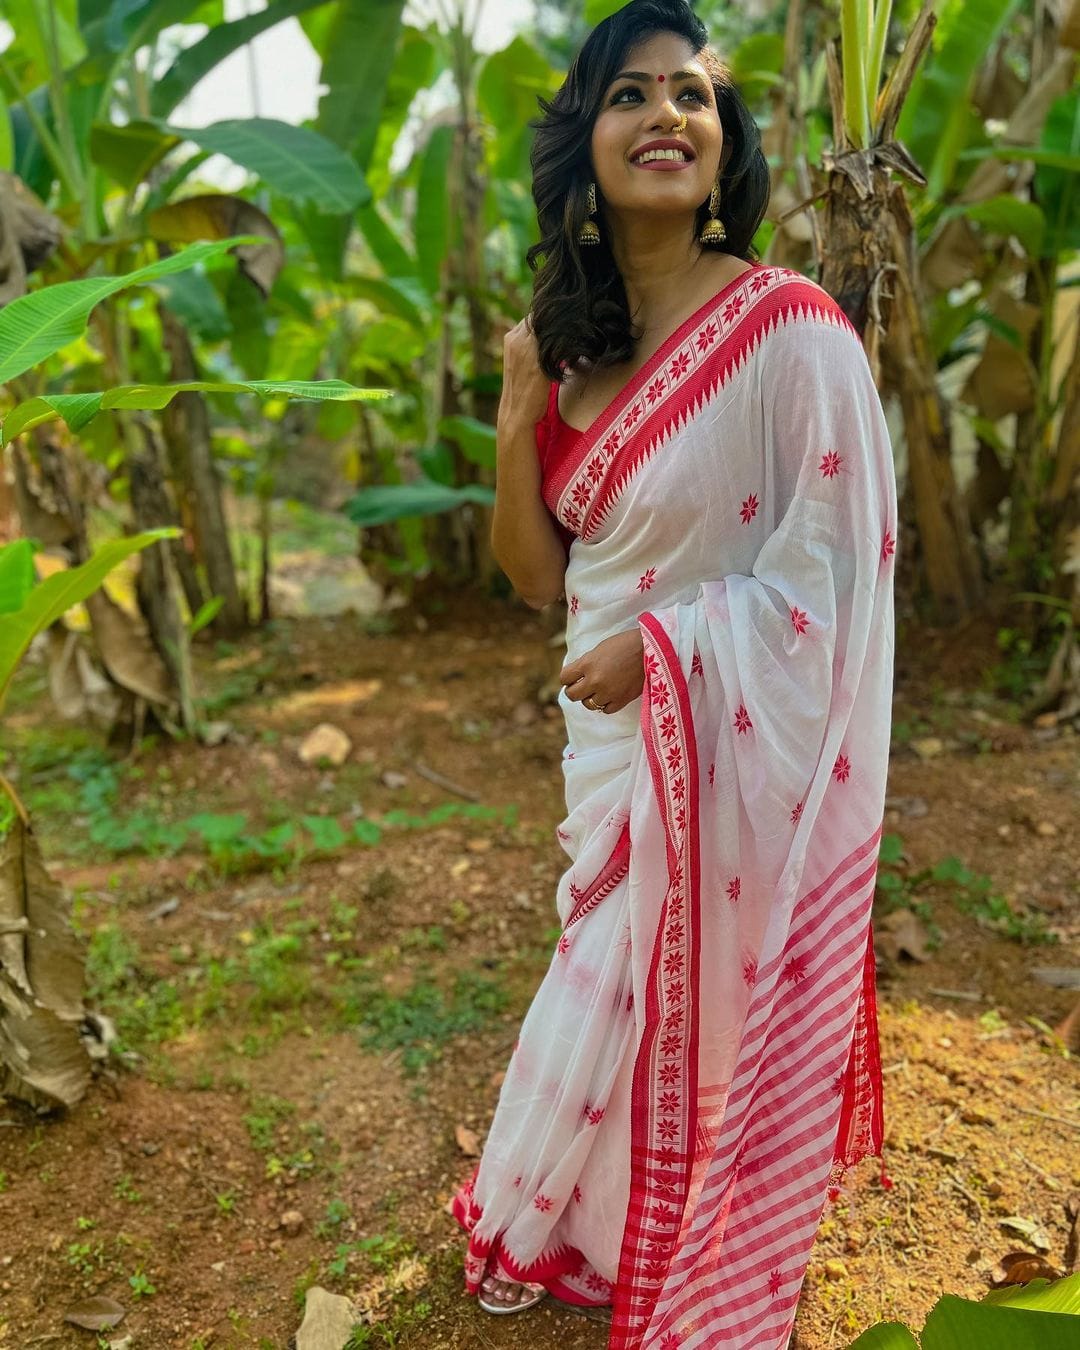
(700, 1062)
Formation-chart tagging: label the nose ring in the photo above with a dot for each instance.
(683, 120)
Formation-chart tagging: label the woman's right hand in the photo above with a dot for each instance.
(526, 389)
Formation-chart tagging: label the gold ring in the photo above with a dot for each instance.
(592, 704)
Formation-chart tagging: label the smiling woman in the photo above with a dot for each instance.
(714, 495)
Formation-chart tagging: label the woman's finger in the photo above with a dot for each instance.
(571, 672)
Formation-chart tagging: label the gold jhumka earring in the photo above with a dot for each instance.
(714, 232)
(590, 234)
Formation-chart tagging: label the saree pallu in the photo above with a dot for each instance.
(700, 1063)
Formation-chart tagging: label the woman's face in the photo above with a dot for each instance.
(661, 81)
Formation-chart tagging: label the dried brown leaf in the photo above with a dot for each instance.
(468, 1141)
(96, 1314)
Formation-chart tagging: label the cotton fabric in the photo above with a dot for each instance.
(700, 1063)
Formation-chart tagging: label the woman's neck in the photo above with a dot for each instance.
(659, 268)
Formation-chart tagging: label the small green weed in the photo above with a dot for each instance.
(124, 1189)
(337, 1211)
(140, 1285)
(972, 892)
(419, 1021)
(86, 1257)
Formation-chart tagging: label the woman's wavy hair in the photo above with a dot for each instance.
(580, 309)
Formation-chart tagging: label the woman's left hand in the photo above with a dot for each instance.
(610, 676)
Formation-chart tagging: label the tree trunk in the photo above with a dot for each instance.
(950, 566)
(186, 427)
(1063, 495)
(157, 585)
(1027, 487)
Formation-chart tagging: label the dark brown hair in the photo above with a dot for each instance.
(580, 309)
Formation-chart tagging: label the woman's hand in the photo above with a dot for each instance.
(611, 675)
(526, 388)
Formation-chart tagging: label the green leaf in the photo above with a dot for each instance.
(957, 1324)
(397, 296)
(1010, 216)
(598, 10)
(127, 153)
(16, 574)
(892, 849)
(403, 501)
(384, 240)
(367, 832)
(1056, 1296)
(218, 829)
(476, 439)
(221, 41)
(326, 833)
(506, 93)
(886, 1336)
(36, 325)
(32, 22)
(1057, 187)
(356, 68)
(7, 137)
(205, 615)
(432, 220)
(79, 409)
(952, 869)
(296, 162)
(936, 120)
(56, 595)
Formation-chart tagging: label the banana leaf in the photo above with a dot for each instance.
(56, 595)
(35, 326)
(79, 409)
(405, 501)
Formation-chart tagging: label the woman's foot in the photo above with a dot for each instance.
(509, 1295)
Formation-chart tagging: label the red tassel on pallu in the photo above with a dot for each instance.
(862, 1117)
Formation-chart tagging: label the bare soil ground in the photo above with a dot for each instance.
(306, 1048)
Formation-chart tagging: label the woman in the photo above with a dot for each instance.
(700, 1063)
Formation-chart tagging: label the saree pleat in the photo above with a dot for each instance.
(700, 1064)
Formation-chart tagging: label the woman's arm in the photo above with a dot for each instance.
(524, 537)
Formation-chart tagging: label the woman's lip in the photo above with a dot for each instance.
(665, 165)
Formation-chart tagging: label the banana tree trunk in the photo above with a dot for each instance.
(950, 566)
(44, 1059)
(1063, 496)
(157, 584)
(1034, 447)
(186, 427)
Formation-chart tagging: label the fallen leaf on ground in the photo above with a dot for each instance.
(95, 1314)
(326, 742)
(1030, 1229)
(468, 1141)
(1021, 1268)
(902, 933)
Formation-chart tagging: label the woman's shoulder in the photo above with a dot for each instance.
(795, 290)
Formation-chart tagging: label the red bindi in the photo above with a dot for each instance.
(660, 79)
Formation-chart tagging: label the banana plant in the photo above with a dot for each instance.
(1041, 1315)
(46, 1033)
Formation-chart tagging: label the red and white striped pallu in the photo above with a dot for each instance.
(700, 1063)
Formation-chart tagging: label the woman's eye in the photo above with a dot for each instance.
(694, 93)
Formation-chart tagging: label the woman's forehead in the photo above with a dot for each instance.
(663, 54)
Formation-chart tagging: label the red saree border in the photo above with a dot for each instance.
(609, 876)
(584, 481)
(483, 1253)
(663, 1116)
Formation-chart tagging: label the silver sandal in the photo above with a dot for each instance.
(537, 1293)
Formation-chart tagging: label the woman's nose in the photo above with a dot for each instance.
(667, 114)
